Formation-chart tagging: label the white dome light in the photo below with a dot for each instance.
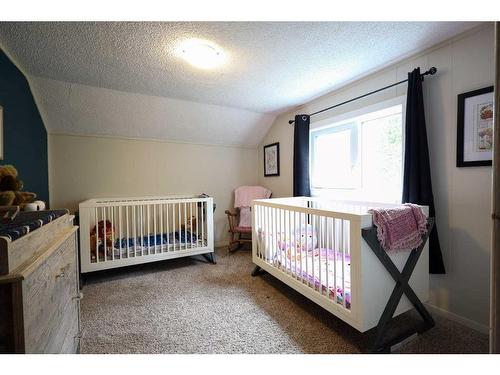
(201, 54)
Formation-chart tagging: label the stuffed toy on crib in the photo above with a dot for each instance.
(98, 235)
(302, 238)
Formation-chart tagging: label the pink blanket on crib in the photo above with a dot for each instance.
(400, 228)
(326, 270)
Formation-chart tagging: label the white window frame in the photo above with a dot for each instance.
(327, 125)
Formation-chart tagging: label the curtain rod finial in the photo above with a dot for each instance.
(433, 70)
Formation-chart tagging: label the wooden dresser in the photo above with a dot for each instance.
(39, 292)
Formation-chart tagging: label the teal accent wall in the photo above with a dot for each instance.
(24, 134)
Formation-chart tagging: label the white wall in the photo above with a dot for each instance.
(82, 167)
(462, 195)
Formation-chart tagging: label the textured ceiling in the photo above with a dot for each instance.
(272, 66)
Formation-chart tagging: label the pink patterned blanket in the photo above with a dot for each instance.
(400, 228)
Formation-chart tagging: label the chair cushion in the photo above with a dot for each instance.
(245, 219)
(243, 229)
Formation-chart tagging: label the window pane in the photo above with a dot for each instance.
(376, 175)
(335, 162)
(382, 158)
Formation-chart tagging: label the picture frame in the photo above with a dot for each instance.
(475, 128)
(272, 160)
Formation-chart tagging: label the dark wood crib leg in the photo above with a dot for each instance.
(257, 271)
(210, 257)
(402, 287)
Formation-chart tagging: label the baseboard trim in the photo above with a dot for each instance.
(458, 319)
(221, 243)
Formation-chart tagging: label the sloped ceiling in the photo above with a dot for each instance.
(123, 78)
(80, 109)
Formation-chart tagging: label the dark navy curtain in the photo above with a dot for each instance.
(417, 187)
(301, 157)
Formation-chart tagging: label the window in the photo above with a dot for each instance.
(360, 156)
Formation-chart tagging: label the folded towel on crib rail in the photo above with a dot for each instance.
(400, 228)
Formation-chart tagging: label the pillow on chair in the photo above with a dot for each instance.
(245, 217)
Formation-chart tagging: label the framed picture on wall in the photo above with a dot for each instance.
(1, 132)
(272, 160)
(475, 128)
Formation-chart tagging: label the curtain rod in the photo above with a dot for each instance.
(431, 72)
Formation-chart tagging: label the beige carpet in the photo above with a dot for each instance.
(190, 306)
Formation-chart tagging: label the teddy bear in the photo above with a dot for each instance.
(98, 235)
(10, 188)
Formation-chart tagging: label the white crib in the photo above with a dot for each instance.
(118, 232)
(340, 272)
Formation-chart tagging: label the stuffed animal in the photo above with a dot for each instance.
(10, 188)
(191, 224)
(98, 235)
(303, 239)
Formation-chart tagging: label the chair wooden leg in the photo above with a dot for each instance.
(240, 243)
(231, 242)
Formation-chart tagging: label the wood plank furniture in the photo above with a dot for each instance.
(39, 292)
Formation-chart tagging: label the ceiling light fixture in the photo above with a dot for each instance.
(201, 54)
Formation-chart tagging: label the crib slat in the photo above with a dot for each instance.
(288, 244)
(134, 213)
(120, 233)
(191, 224)
(197, 223)
(327, 259)
(306, 220)
(147, 229)
(166, 223)
(313, 221)
(266, 233)
(173, 226)
(299, 246)
(294, 243)
(185, 227)
(104, 233)
(128, 230)
(273, 234)
(259, 229)
(269, 234)
(343, 263)
(179, 224)
(96, 236)
(160, 225)
(112, 232)
(277, 235)
(167, 231)
(141, 226)
(283, 240)
(267, 250)
(320, 246)
(154, 226)
(203, 222)
(336, 248)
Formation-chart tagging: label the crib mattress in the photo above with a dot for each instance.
(147, 245)
(320, 268)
